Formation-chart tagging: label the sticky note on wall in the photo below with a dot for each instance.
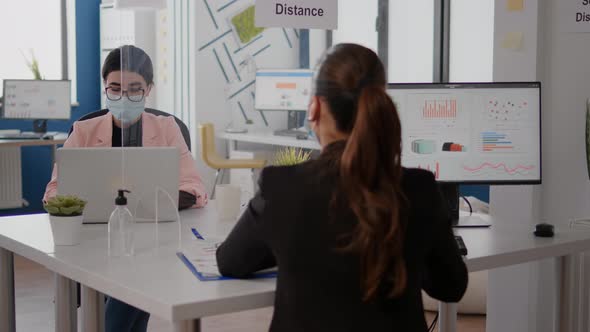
(513, 40)
(514, 5)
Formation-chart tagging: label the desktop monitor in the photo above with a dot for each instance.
(283, 90)
(471, 133)
(37, 100)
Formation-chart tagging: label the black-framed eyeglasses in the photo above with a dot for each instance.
(134, 94)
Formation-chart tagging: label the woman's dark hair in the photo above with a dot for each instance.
(135, 60)
(351, 79)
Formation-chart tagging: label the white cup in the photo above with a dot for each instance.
(227, 200)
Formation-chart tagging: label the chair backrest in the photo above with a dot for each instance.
(183, 128)
(208, 151)
(216, 161)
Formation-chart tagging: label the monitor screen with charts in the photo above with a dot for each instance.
(487, 133)
(37, 99)
(283, 90)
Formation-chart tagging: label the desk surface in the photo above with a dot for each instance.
(156, 281)
(267, 137)
(153, 280)
(57, 140)
(500, 246)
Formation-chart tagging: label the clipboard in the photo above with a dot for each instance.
(207, 277)
(202, 277)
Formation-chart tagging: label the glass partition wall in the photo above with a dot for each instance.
(205, 55)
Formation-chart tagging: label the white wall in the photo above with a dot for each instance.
(523, 297)
(357, 23)
(472, 41)
(411, 41)
(513, 291)
(566, 189)
(566, 79)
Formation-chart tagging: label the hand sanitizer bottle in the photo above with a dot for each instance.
(121, 241)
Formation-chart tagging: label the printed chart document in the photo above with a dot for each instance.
(201, 254)
(199, 257)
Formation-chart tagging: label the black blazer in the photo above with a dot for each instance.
(289, 223)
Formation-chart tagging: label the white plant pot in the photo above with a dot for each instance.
(66, 230)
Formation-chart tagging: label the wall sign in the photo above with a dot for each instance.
(304, 14)
(575, 15)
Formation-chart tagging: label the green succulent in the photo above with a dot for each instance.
(65, 206)
(291, 156)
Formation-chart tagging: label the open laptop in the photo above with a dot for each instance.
(95, 175)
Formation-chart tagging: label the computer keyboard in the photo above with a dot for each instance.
(22, 136)
(291, 133)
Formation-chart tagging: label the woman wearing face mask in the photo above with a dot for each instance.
(356, 237)
(125, 123)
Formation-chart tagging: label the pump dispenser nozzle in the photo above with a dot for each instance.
(121, 199)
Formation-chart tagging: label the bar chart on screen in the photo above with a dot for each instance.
(496, 142)
(440, 109)
(433, 167)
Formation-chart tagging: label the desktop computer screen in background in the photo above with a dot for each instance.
(37, 99)
(283, 90)
(487, 133)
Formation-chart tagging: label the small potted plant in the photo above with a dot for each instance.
(291, 156)
(65, 217)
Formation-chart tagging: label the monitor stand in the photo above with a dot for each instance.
(40, 126)
(295, 120)
(450, 192)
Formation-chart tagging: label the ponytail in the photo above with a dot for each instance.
(352, 80)
(370, 173)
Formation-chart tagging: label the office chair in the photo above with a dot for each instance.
(217, 162)
(183, 128)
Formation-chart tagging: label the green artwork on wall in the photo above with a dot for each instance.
(245, 26)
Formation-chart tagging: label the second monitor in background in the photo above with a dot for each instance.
(471, 133)
(37, 100)
(286, 90)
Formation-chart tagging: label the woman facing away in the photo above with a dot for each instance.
(356, 236)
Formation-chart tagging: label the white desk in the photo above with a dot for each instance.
(501, 246)
(268, 138)
(154, 280)
(10, 170)
(157, 282)
(58, 139)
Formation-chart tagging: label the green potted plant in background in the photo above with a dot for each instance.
(33, 65)
(65, 217)
(291, 156)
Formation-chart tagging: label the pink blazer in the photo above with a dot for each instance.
(157, 131)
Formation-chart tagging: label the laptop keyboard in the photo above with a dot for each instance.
(22, 136)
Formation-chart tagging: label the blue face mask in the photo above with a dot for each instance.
(125, 110)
